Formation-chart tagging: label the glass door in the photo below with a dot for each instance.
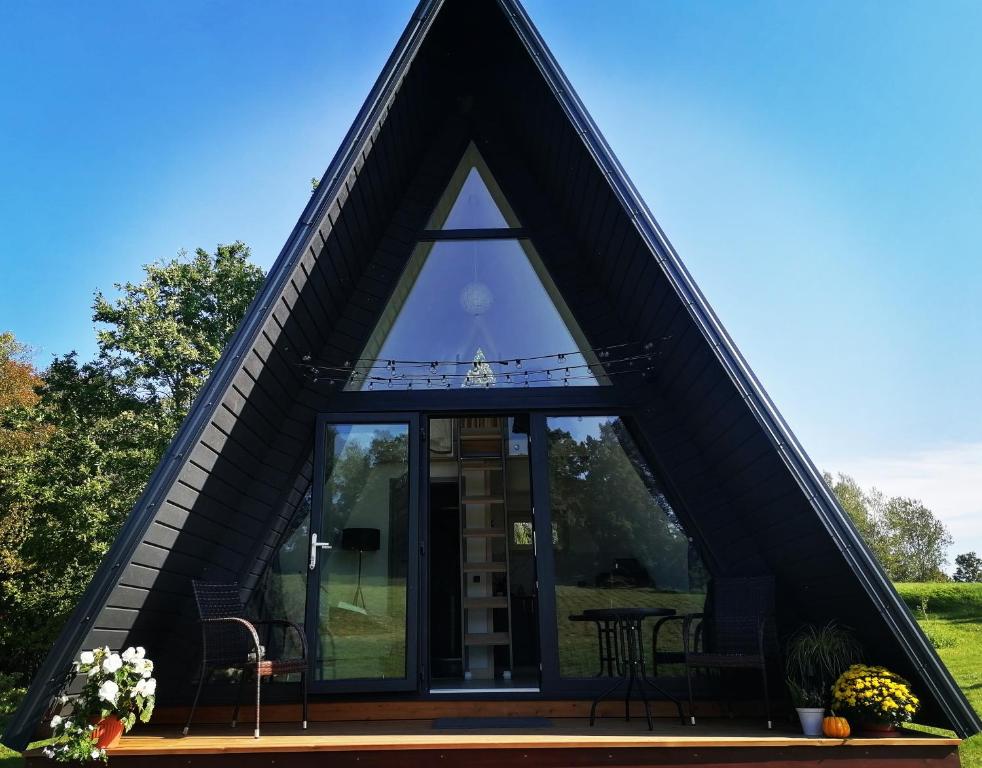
(363, 556)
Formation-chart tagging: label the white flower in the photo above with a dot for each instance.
(56, 721)
(151, 687)
(140, 652)
(48, 752)
(129, 654)
(112, 663)
(96, 754)
(86, 657)
(63, 699)
(109, 691)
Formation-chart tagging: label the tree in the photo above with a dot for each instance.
(968, 567)
(903, 534)
(72, 493)
(165, 333)
(917, 542)
(20, 435)
(864, 509)
(99, 428)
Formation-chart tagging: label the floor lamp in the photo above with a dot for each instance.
(360, 540)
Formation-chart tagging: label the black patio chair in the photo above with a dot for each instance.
(230, 643)
(737, 630)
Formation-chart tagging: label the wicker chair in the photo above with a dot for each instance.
(230, 642)
(736, 631)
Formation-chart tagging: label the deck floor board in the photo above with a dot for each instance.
(420, 734)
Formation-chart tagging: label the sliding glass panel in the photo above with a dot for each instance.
(361, 628)
(616, 540)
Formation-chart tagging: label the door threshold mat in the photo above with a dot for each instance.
(463, 723)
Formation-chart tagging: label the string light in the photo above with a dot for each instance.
(605, 364)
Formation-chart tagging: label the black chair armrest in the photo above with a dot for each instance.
(288, 625)
(761, 627)
(657, 627)
(247, 625)
(688, 618)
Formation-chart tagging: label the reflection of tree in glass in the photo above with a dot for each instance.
(611, 509)
(353, 466)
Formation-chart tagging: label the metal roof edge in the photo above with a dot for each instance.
(57, 663)
(922, 655)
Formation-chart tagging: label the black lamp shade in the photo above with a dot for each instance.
(360, 539)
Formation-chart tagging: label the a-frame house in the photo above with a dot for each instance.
(479, 370)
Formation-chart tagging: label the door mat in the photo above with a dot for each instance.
(491, 722)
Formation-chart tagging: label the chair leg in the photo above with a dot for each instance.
(767, 697)
(303, 686)
(724, 678)
(692, 701)
(197, 695)
(238, 698)
(259, 680)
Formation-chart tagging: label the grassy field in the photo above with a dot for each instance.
(951, 614)
(953, 621)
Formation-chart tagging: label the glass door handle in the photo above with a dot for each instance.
(314, 546)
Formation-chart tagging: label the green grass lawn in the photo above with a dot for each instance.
(954, 624)
(953, 621)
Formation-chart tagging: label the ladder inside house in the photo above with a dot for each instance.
(484, 560)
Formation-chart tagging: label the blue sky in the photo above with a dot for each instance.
(817, 165)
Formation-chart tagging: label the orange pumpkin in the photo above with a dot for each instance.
(835, 727)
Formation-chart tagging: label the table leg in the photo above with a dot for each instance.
(601, 697)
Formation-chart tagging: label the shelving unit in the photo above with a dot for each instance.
(486, 620)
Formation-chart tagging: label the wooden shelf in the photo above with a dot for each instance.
(483, 505)
(482, 463)
(487, 638)
(486, 602)
(485, 567)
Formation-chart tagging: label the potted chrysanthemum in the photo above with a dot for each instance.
(119, 689)
(875, 698)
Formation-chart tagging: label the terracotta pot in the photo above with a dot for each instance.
(878, 729)
(108, 732)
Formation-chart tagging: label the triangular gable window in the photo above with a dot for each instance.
(472, 199)
(475, 312)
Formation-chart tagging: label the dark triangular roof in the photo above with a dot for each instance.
(462, 71)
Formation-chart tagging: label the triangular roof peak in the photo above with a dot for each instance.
(462, 71)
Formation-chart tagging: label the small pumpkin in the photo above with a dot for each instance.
(835, 727)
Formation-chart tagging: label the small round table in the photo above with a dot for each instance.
(629, 652)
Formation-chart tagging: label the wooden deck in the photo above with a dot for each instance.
(567, 742)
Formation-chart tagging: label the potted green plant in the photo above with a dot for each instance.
(814, 657)
(119, 689)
